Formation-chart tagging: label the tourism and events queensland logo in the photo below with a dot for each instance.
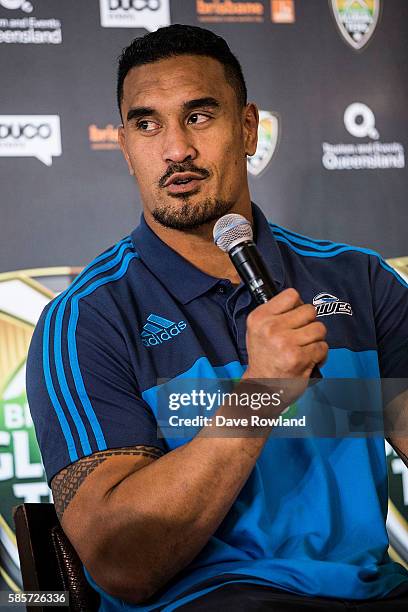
(148, 14)
(356, 20)
(30, 136)
(268, 140)
(368, 153)
(24, 28)
(13, 5)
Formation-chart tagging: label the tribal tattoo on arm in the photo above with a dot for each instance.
(67, 482)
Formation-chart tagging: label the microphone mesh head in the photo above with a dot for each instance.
(231, 230)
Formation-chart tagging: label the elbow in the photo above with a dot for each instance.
(132, 588)
(122, 576)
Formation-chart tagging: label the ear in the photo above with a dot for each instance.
(122, 143)
(250, 120)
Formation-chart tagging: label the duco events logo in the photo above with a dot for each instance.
(356, 20)
(268, 139)
(148, 14)
(30, 136)
(359, 121)
(25, 30)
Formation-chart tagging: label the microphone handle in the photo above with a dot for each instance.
(253, 272)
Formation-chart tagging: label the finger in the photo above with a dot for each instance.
(313, 332)
(283, 302)
(299, 317)
(317, 353)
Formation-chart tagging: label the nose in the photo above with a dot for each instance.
(178, 145)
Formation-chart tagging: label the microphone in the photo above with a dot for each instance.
(233, 234)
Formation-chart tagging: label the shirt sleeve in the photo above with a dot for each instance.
(82, 389)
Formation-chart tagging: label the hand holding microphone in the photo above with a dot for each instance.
(283, 339)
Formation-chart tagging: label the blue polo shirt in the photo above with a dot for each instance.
(311, 517)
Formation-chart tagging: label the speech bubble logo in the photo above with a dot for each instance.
(359, 120)
(30, 136)
(148, 14)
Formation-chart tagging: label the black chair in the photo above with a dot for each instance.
(48, 560)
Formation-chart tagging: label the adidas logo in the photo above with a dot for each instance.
(158, 330)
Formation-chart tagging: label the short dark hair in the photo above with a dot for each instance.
(179, 39)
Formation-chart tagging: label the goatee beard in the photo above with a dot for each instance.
(191, 216)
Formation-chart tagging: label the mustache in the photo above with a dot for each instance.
(186, 167)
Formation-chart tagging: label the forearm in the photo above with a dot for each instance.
(161, 516)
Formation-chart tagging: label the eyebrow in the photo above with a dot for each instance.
(144, 111)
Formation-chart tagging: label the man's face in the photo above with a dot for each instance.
(185, 139)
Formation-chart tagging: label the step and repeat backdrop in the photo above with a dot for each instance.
(329, 78)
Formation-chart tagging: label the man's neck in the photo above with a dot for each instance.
(197, 246)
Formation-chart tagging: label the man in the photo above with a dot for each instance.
(211, 522)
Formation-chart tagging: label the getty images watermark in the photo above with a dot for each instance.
(327, 407)
(202, 402)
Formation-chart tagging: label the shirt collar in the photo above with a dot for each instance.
(186, 282)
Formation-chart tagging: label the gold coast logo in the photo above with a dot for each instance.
(23, 295)
(268, 139)
(356, 20)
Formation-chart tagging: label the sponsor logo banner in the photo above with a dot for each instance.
(148, 14)
(268, 139)
(230, 11)
(24, 29)
(103, 138)
(23, 295)
(25, 6)
(356, 20)
(30, 136)
(359, 121)
(283, 11)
